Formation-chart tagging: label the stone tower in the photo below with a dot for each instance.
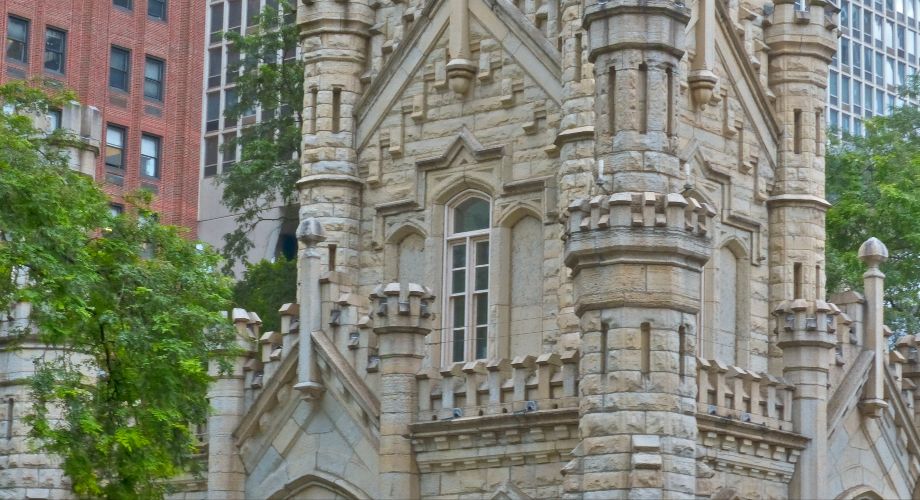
(801, 39)
(636, 254)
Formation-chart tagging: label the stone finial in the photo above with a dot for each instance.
(873, 252)
(310, 231)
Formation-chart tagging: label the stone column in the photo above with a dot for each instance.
(310, 233)
(801, 45)
(873, 252)
(334, 36)
(808, 348)
(401, 322)
(226, 476)
(636, 257)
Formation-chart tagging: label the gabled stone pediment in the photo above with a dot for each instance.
(497, 20)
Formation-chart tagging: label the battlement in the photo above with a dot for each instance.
(805, 321)
(640, 210)
(499, 386)
(401, 308)
(743, 395)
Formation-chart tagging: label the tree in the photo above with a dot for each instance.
(129, 309)
(873, 183)
(271, 79)
(265, 287)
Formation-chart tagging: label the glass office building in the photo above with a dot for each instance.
(877, 52)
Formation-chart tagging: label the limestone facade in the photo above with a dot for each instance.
(567, 249)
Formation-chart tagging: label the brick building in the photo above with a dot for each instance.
(139, 63)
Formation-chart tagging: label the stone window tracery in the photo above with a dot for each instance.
(466, 279)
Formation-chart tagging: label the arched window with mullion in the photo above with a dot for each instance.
(467, 278)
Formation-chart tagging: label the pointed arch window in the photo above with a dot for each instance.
(467, 277)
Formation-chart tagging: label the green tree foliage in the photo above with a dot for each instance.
(873, 183)
(271, 79)
(129, 308)
(265, 287)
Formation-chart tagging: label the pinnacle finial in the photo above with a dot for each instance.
(873, 252)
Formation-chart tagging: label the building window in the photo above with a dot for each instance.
(153, 78)
(115, 147)
(217, 22)
(55, 50)
(150, 156)
(210, 156)
(234, 15)
(119, 68)
(230, 102)
(124, 4)
(252, 12)
(233, 63)
(228, 148)
(215, 60)
(212, 120)
(467, 278)
(55, 117)
(17, 40)
(156, 9)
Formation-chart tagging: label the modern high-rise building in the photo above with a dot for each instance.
(877, 52)
(137, 62)
(271, 237)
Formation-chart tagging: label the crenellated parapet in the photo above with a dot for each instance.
(499, 387)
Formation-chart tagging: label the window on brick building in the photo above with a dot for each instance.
(150, 155)
(233, 62)
(215, 61)
(156, 9)
(211, 149)
(124, 4)
(229, 150)
(153, 78)
(467, 278)
(17, 40)
(212, 112)
(119, 68)
(115, 147)
(234, 15)
(217, 22)
(252, 12)
(230, 102)
(55, 50)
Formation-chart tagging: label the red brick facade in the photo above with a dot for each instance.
(93, 27)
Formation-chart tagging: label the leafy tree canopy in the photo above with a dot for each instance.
(265, 287)
(130, 310)
(270, 80)
(873, 183)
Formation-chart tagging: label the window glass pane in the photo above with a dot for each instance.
(118, 70)
(229, 105)
(217, 22)
(213, 111)
(252, 11)
(17, 40)
(457, 354)
(153, 79)
(114, 150)
(459, 312)
(122, 3)
(55, 43)
(458, 281)
(234, 14)
(459, 256)
(482, 338)
(482, 253)
(233, 61)
(150, 156)
(482, 278)
(156, 9)
(54, 119)
(215, 60)
(210, 151)
(471, 215)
